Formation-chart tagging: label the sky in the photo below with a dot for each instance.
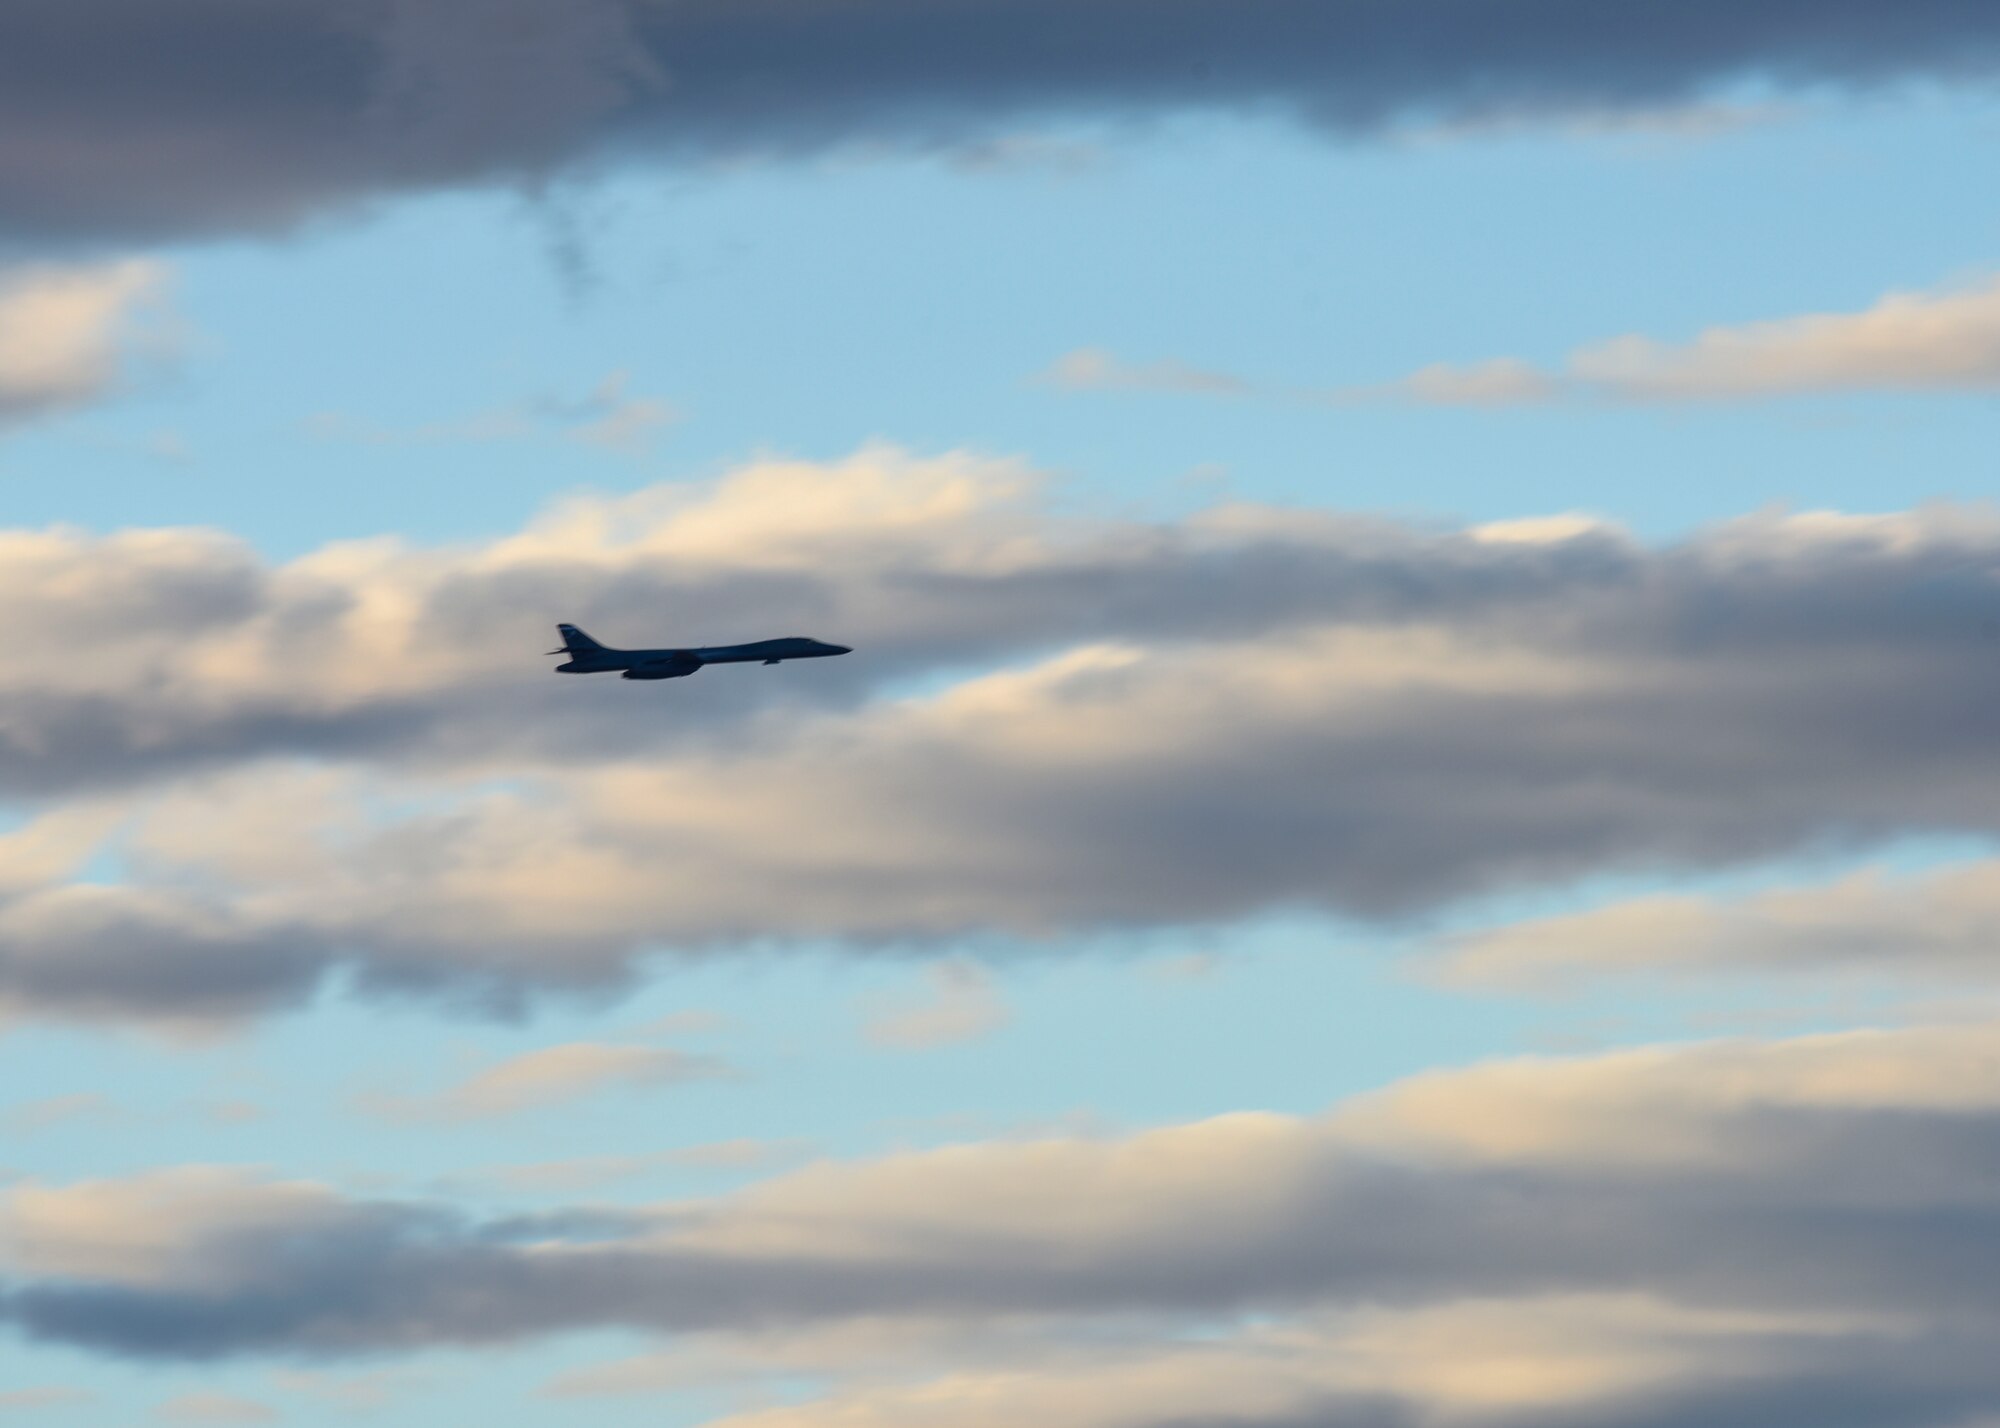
(1410, 838)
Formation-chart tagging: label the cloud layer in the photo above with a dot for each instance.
(357, 762)
(1734, 1231)
(208, 115)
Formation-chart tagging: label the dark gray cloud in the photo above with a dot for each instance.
(137, 118)
(85, 953)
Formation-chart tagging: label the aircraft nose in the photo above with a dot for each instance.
(840, 649)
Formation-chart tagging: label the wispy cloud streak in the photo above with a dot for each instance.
(1940, 342)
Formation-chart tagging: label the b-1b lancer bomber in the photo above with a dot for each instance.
(587, 656)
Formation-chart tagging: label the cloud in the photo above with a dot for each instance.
(425, 655)
(964, 1006)
(1186, 968)
(354, 1393)
(43, 1396)
(1941, 925)
(1738, 1225)
(692, 1022)
(595, 1172)
(49, 847)
(1257, 709)
(1505, 381)
(1669, 124)
(70, 335)
(1027, 152)
(608, 416)
(1912, 341)
(195, 637)
(553, 1076)
(1602, 1359)
(1907, 342)
(215, 1408)
(1092, 369)
(1944, 341)
(214, 115)
(739, 1154)
(151, 1229)
(92, 951)
(611, 416)
(752, 1361)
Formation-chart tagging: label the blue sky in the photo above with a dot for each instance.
(1007, 885)
(810, 307)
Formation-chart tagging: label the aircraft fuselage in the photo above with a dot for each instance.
(678, 663)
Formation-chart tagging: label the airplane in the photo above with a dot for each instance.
(587, 656)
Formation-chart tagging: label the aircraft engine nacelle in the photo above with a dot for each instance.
(678, 667)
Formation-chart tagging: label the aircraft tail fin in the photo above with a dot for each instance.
(575, 641)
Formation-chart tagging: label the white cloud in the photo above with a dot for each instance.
(1915, 341)
(1504, 381)
(1939, 341)
(1682, 1106)
(552, 1076)
(69, 335)
(1092, 369)
(1544, 530)
(1942, 925)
